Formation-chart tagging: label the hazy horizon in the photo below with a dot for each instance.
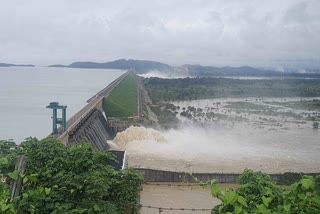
(217, 33)
(274, 67)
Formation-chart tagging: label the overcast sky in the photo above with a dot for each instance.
(209, 32)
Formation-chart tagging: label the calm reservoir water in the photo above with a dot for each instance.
(25, 92)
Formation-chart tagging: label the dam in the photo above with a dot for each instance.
(173, 161)
(90, 123)
(207, 148)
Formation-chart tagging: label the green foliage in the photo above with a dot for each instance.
(75, 179)
(258, 194)
(289, 178)
(166, 118)
(122, 102)
(5, 205)
(209, 87)
(8, 153)
(139, 65)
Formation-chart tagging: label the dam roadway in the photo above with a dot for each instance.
(95, 102)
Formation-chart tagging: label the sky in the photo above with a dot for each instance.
(208, 32)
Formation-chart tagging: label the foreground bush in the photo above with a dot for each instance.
(76, 179)
(258, 194)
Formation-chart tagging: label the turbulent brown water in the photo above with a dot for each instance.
(138, 134)
(173, 196)
(214, 149)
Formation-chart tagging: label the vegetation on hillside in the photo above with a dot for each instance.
(14, 65)
(61, 179)
(203, 88)
(143, 66)
(122, 102)
(139, 65)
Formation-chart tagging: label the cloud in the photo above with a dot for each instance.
(208, 32)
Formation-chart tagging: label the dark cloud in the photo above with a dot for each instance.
(216, 32)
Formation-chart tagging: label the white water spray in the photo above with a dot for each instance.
(208, 149)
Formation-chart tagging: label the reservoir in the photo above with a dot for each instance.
(262, 134)
(26, 91)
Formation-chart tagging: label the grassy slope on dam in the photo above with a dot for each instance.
(122, 102)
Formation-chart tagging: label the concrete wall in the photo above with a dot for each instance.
(153, 175)
(93, 129)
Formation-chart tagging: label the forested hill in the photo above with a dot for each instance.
(138, 65)
(12, 65)
(143, 66)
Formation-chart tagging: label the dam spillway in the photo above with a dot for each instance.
(94, 129)
(89, 124)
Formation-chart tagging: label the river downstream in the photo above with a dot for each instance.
(239, 133)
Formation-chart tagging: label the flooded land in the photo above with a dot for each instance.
(273, 135)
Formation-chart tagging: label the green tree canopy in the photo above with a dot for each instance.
(258, 194)
(75, 179)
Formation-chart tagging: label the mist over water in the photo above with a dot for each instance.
(164, 75)
(191, 141)
(215, 149)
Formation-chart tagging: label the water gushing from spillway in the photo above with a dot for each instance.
(213, 149)
(138, 134)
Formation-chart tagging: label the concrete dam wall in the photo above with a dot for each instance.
(154, 175)
(92, 129)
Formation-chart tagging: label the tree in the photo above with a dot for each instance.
(75, 179)
(258, 194)
(8, 154)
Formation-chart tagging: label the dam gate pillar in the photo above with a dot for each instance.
(58, 121)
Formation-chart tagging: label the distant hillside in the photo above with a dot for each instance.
(143, 66)
(138, 65)
(244, 71)
(12, 65)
